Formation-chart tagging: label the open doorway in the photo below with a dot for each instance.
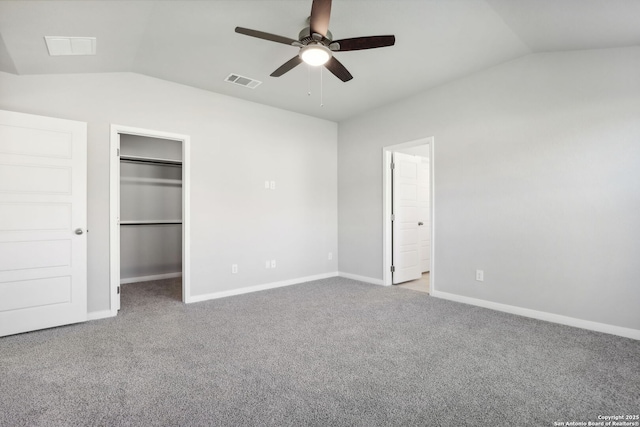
(408, 215)
(149, 206)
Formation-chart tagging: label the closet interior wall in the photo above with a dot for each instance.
(150, 208)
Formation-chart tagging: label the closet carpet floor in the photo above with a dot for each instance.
(333, 352)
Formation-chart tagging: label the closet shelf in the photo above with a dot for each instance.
(151, 222)
(150, 160)
(139, 180)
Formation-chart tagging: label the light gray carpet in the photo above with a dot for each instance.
(327, 353)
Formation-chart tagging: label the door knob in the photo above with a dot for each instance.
(79, 231)
(420, 223)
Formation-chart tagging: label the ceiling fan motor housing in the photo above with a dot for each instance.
(305, 37)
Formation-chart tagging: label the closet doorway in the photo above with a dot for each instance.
(149, 209)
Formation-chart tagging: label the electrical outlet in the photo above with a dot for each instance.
(267, 264)
(234, 268)
(330, 257)
(480, 275)
(273, 263)
(273, 185)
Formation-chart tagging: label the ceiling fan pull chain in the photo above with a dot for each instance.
(308, 80)
(321, 102)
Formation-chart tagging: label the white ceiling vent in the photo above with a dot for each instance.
(71, 45)
(242, 81)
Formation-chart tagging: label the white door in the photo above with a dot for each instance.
(424, 223)
(406, 241)
(43, 242)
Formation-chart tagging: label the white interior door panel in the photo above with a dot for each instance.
(43, 243)
(424, 219)
(406, 238)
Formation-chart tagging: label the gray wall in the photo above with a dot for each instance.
(149, 250)
(537, 182)
(235, 146)
(150, 192)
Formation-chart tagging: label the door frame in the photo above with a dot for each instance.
(387, 239)
(114, 208)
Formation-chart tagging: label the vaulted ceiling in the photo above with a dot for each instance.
(194, 43)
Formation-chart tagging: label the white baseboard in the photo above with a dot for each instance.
(256, 288)
(542, 315)
(95, 315)
(361, 278)
(150, 278)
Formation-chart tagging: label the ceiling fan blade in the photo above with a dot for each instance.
(287, 66)
(320, 14)
(360, 43)
(338, 69)
(265, 36)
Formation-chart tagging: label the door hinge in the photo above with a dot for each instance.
(118, 290)
(393, 217)
(393, 268)
(118, 152)
(393, 165)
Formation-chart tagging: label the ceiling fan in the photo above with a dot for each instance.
(317, 45)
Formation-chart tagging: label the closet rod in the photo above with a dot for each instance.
(149, 222)
(149, 160)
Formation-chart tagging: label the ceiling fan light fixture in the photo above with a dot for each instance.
(315, 54)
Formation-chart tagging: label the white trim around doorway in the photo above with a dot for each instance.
(387, 204)
(114, 208)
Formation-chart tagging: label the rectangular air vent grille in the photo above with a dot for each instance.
(237, 79)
